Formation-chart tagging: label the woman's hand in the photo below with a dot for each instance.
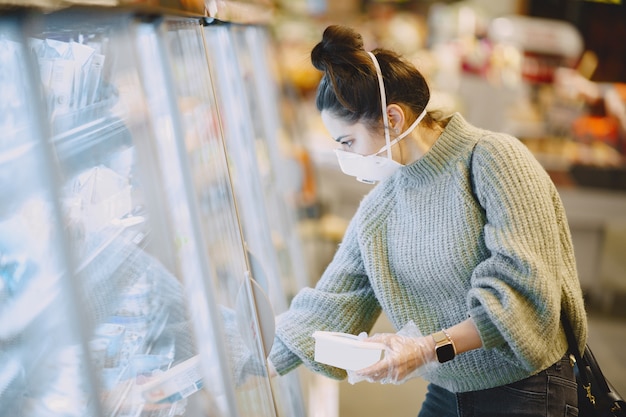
(409, 354)
(404, 357)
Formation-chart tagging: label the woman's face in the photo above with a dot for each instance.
(353, 137)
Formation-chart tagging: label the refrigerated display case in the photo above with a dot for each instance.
(127, 291)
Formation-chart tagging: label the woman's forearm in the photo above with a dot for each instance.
(464, 335)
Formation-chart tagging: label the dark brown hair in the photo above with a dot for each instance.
(349, 86)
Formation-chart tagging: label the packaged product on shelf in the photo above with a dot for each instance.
(56, 68)
(176, 384)
(71, 74)
(145, 366)
(81, 56)
(105, 195)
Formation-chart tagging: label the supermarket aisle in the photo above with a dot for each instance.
(607, 338)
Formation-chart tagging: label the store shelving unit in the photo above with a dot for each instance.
(128, 287)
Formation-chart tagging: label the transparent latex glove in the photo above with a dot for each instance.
(407, 355)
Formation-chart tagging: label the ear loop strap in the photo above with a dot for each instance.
(406, 132)
(383, 103)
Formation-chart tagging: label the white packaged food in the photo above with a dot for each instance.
(346, 351)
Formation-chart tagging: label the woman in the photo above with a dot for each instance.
(464, 236)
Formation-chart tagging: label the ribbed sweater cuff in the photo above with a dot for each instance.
(282, 358)
(489, 333)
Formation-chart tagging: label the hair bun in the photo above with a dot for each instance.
(337, 47)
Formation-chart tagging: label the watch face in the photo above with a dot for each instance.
(445, 353)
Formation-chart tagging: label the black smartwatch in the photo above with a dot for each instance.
(444, 346)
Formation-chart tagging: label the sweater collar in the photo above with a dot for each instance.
(454, 142)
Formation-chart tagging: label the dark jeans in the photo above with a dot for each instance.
(550, 393)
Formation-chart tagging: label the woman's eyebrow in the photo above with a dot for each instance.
(341, 137)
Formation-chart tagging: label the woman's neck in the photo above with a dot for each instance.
(418, 143)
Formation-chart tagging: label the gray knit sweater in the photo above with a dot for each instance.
(473, 228)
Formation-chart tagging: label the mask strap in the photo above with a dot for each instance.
(406, 132)
(383, 103)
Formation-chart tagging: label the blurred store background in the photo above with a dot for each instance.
(551, 72)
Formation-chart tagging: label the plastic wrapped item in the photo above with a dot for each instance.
(176, 384)
(145, 366)
(346, 351)
(407, 355)
(105, 196)
(71, 72)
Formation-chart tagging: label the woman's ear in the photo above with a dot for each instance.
(396, 117)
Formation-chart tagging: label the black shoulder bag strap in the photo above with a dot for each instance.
(583, 377)
(596, 396)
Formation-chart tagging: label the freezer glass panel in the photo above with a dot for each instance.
(137, 257)
(39, 376)
(254, 52)
(215, 201)
(255, 193)
(240, 146)
(256, 60)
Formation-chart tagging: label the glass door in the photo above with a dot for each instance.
(237, 127)
(279, 173)
(211, 182)
(248, 168)
(254, 53)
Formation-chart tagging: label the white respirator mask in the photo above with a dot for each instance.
(372, 168)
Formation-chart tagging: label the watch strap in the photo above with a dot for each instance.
(445, 350)
(441, 337)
